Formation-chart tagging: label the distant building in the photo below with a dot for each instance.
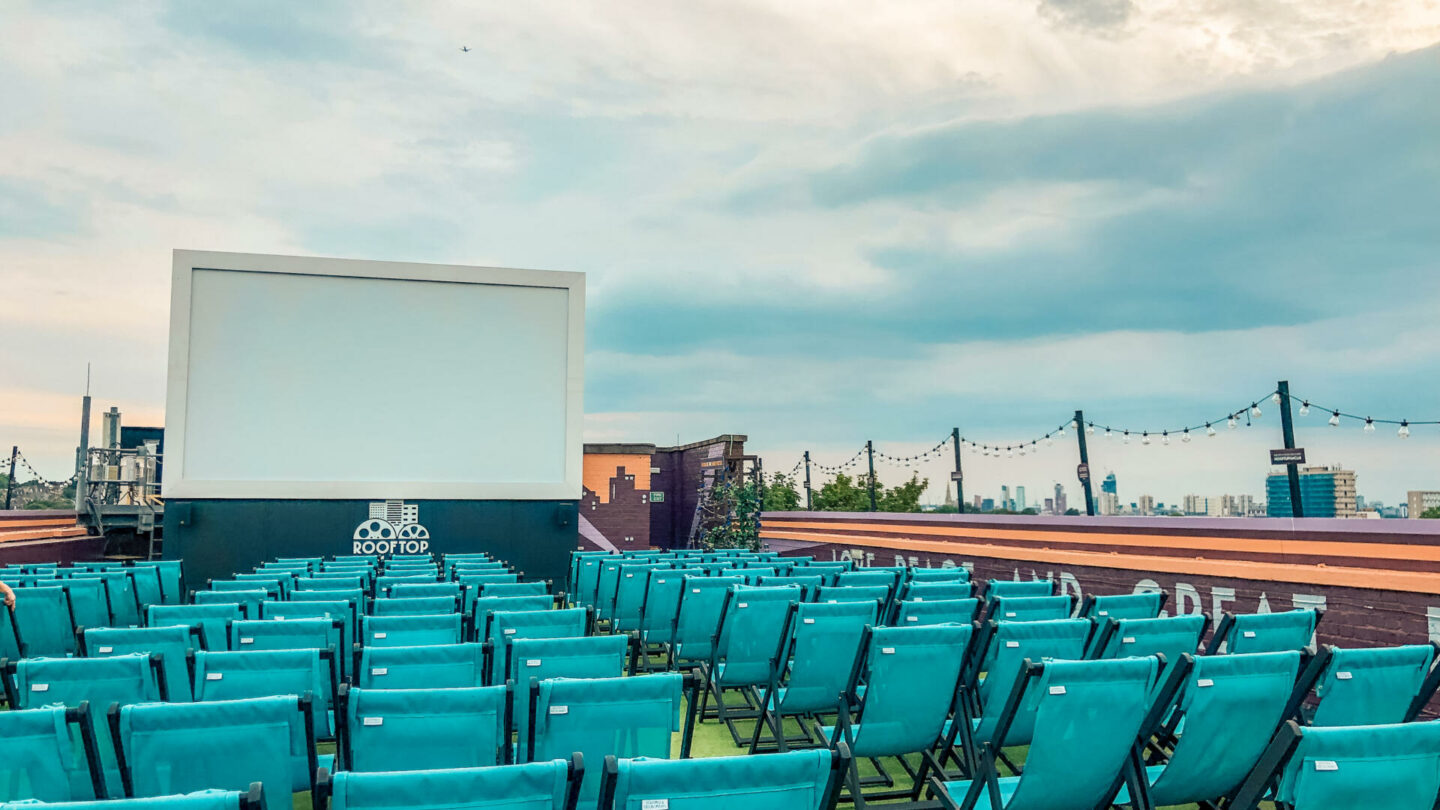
(1020, 499)
(1195, 505)
(1005, 497)
(1049, 506)
(1418, 500)
(978, 503)
(987, 505)
(1109, 504)
(1108, 485)
(1060, 506)
(1147, 505)
(1324, 492)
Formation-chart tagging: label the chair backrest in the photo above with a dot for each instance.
(343, 611)
(148, 587)
(956, 574)
(1143, 605)
(698, 617)
(501, 589)
(95, 682)
(281, 581)
(546, 658)
(923, 591)
(1373, 686)
(1231, 706)
(40, 761)
(598, 717)
(330, 582)
(414, 606)
(437, 666)
(124, 606)
(631, 588)
(587, 578)
(269, 585)
(249, 601)
(536, 786)
(42, 614)
(607, 584)
(753, 624)
(1389, 767)
(797, 780)
(170, 643)
(879, 594)
(287, 634)
(810, 582)
(824, 642)
(262, 673)
(213, 621)
(424, 729)
(384, 582)
(1087, 718)
(173, 748)
(199, 800)
(410, 631)
(866, 576)
(1008, 587)
(486, 606)
(941, 611)
(662, 602)
(1170, 636)
(506, 626)
(1007, 646)
(416, 590)
(89, 602)
(911, 676)
(1264, 632)
(1030, 608)
(172, 578)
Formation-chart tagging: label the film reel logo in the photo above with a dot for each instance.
(393, 526)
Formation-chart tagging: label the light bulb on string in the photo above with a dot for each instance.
(1009, 453)
(1165, 437)
(1335, 419)
(1090, 429)
(1275, 397)
(1404, 431)
(1305, 408)
(1369, 425)
(1185, 437)
(1126, 437)
(1209, 430)
(1107, 433)
(1255, 410)
(1022, 449)
(1060, 432)
(1145, 437)
(1049, 440)
(1230, 423)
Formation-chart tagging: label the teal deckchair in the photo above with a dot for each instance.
(45, 623)
(1391, 767)
(1142, 605)
(436, 666)
(414, 606)
(545, 658)
(799, 780)
(170, 643)
(879, 594)
(168, 748)
(584, 573)
(922, 591)
(753, 623)
(343, 611)
(941, 611)
(811, 668)
(423, 729)
(867, 576)
(1264, 632)
(249, 601)
(330, 582)
(120, 588)
(414, 590)
(89, 602)
(1222, 712)
(659, 610)
(1170, 636)
(911, 682)
(213, 621)
(1029, 608)
(251, 799)
(693, 629)
(537, 786)
(628, 717)
(239, 675)
(485, 606)
(1014, 587)
(283, 582)
(270, 585)
(956, 574)
(148, 588)
(40, 760)
(172, 579)
(631, 587)
(410, 631)
(506, 626)
(1367, 687)
(1088, 719)
(607, 587)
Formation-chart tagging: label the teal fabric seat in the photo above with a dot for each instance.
(200, 800)
(424, 729)
(631, 587)
(437, 666)
(328, 611)
(753, 624)
(1008, 587)
(600, 717)
(95, 682)
(330, 582)
(170, 643)
(879, 594)
(287, 634)
(171, 748)
(282, 582)
(1372, 686)
(120, 591)
(662, 602)
(248, 600)
(172, 579)
(420, 590)
(584, 574)
(49, 755)
(607, 583)
(269, 585)
(546, 658)
(1030, 608)
(866, 576)
(89, 602)
(1088, 718)
(934, 591)
(485, 606)
(1143, 605)
(1264, 632)
(814, 667)
(956, 574)
(147, 584)
(384, 582)
(1225, 711)
(502, 589)
(1003, 650)
(410, 631)
(414, 606)
(940, 611)
(239, 675)
(1387, 767)
(506, 626)
(799, 780)
(1170, 636)
(809, 582)
(537, 786)
(697, 618)
(213, 621)
(42, 616)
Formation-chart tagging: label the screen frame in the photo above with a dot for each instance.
(178, 485)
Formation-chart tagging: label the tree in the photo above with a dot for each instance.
(846, 494)
(781, 494)
(1433, 513)
(1072, 511)
(902, 498)
(732, 511)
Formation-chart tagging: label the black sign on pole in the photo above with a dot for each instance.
(1083, 472)
(1288, 455)
(956, 476)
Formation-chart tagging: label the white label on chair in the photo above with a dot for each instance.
(1009, 615)
(379, 671)
(247, 641)
(282, 618)
(379, 635)
(1057, 690)
(1012, 644)
(1127, 640)
(809, 621)
(559, 709)
(918, 599)
(694, 590)
(104, 650)
(743, 604)
(39, 687)
(1204, 682)
(374, 721)
(1326, 765)
(629, 576)
(532, 662)
(1104, 613)
(1248, 634)
(654, 804)
(509, 631)
(912, 618)
(887, 650)
(1344, 676)
(214, 676)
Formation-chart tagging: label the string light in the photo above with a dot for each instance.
(1305, 408)
(1404, 431)
(1369, 425)
(1230, 423)
(1209, 430)
(1335, 419)
(1255, 410)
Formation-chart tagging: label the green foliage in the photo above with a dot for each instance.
(732, 510)
(1433, 513)
(49, 503)
(846, 494)
(1072, 511)
(781, 494)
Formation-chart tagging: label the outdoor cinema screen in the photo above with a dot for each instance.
(328, 378)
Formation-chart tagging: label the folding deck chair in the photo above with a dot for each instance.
(1367, 687)
(230, 676)
(941, 611)
(435, 666)
(269, 585)
(249, 600)
(1029, 608)
(44, 620)
(658, 612)
(1170, 636)
(343, 611)
(536, 786)
(956, 574)
(753, 624)
(485, 606)
(1392, 767)
(546, 658)
(251, 799)
(799, 780)
(212, 621)
(1264, 632)
(414, 606)
(926, 591)
(410, 631)
(172, 578)
(39, 760)
(1143, 605)
(692, 631)
(423, 729)
(507, 626)
(170, 643)
(89, 602)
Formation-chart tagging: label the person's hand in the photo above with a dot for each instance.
(9, 598)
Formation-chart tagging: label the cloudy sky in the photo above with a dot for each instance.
(810, 222)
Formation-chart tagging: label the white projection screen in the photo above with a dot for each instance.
(296, 377)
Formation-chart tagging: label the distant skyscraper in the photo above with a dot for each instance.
(977, 503)
(1108, 504)
(1060, 506)
(1020, 499)
(987, 505)
(1005, 497)
(1108, 485)
(1049, 506)
(1324, 492)
(1419, 500)
(1147, 505)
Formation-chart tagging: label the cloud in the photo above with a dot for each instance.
(1091, 15)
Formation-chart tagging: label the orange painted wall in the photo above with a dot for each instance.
(601, 467)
